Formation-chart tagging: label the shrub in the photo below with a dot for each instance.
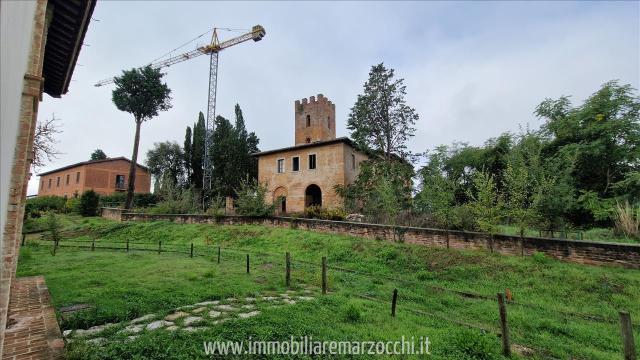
(317, 212)
(139, 200)
(53, 227)
(72, 206)
(182, 203)
(251, 200)
(89, 203)
(627, 219)
(539, 257)
(467, 344)
(352, 313)
(36, 206)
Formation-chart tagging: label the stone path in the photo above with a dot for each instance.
(194, 317)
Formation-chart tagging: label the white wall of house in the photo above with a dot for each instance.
(16, 27)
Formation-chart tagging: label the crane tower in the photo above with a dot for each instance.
(213, 49)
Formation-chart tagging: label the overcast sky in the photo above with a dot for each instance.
(473, 70)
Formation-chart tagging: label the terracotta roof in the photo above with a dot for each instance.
(65, 36)
(345, 140)
(90, 162)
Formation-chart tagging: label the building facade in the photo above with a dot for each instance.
(40, 42)
(105, 177)
(306, 174)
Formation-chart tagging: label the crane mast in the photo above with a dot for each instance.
(256, 34)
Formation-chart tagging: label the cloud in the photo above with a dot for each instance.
(472, 70)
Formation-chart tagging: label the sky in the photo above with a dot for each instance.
(472, 70)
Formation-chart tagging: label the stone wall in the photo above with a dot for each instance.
(584, 252)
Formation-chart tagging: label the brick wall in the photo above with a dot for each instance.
(584, 252)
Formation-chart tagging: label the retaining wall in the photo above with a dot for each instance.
(579, 251)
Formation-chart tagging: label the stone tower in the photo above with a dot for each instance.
(315, 120)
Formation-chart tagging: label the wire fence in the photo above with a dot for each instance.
(420, 297)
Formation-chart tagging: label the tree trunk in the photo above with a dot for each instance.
(132, 168)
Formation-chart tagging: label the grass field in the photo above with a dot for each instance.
(560, 310)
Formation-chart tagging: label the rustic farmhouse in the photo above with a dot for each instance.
(105, 177)
(305, 174)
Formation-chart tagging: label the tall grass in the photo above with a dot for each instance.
(627, 219)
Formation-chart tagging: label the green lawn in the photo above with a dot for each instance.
(561, 310)
(593, 234)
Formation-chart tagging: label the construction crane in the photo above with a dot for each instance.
(256, 34)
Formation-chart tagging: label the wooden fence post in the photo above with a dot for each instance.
(288, 271)
(394, 300)
(93, 244)
(627, 336)
(324, 275)
(191, 249)
(55, 247)
(159, 247)
(218, 254)
(506, 347)
(23, 236)
(127, 245)
(247, 263)
(447, 238)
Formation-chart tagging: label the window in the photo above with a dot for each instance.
(49, 183)
(119, 181)
(78, 177)
(280, 166)
(58, 182)
(295, 163)
(308, 120)
(312, 161)
(353, 162)
(68, 176)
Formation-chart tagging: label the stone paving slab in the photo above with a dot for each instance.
(194, 317)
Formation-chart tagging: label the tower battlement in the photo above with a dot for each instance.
(315, 119)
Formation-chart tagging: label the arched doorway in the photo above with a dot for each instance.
(280, 200)
(312, 196)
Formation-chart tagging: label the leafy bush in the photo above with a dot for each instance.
(539, 257)
(36, 206)
(89, 203)
(467, 344)
(251, 200)
(184, 202)
(139, 200)
(352, 313)
(317, 212)
(72, 206)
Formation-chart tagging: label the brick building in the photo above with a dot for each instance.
(305, 174)
(40, 41)
(105, 177)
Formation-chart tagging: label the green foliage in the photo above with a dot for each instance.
(166, 162)
(485, 203)
(197, 152)
(72, 205)
(380, 120)
(469, 344)
(53, 227)
(98, 154)
(231, 155)
(251, 200)
(38, 205)
(604, 135)
(352, 313)
(141, 93)
(176, 201)
(437, 194)
(318, 212)
(381, 191)
(89, 203)
(627, 219)
(139, 199)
